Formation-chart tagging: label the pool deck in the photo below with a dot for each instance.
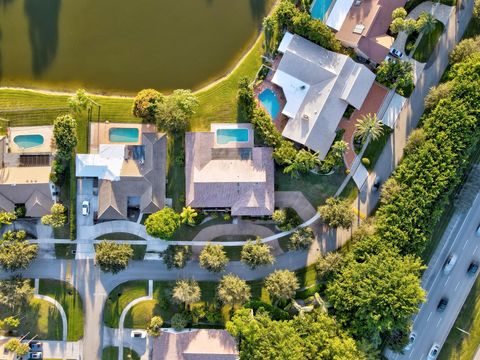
(99, 133)
(46, 131)
(234, 144)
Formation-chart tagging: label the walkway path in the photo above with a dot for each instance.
(297, 201)
(125, 312)
(57, 305)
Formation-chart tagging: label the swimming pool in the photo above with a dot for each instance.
(225, 136)
(270, 102)
(319, 9)
(28, 141)
(123, 135)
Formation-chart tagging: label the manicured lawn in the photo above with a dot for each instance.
(120, 297)
(427, 43)
(316, 188)
(176, 171)
(460, 346)
(187, 232)
(375, 148)
(65, 251)
(71, 302)
(111, 353)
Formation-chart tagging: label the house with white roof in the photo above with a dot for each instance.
(318, 85)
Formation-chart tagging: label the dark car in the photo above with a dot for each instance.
(35, 346)
(472, 268)
(377, 182)
(442, 305)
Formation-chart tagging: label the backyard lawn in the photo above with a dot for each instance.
(71, 302)
(427, 43)
(120, 297)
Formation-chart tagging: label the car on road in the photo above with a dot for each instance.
(442, 305)
(478, 230)
(472, 268)
(138, 334)
(396, 53)
(85, 208)
(35, 346)
(433, 353)
(411, 339)
(449, 263)
(35, 355)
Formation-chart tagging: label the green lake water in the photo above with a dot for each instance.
(122, 46)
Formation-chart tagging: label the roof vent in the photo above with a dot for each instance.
(358, 29)
(302, 87)
(305, 117)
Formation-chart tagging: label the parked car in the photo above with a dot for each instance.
(449, 263)
(35, 346)
(376, 183)
(472, 268)
(388, 59)
(138, 334)
(478, 230)
(442, 305)
(85, 208)
(411, 339)
(433, 353)
(35, 355)
(396, 53)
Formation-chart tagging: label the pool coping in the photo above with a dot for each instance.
(46, 131)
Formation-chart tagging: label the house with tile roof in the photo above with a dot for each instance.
(129, 176)
(318, 85)
(25, 181)
(219, 176)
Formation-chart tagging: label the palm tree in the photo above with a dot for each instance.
(186, 292)
(426, 22)
(368, 126)
(340, 147)
(188, 215)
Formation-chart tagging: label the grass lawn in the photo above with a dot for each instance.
(176, 171)
(111, 353)
(427, 43)
(65, 251)
(473, 28)
(459, 345)
(374, 148)
(316, 188)
(71, 302)
(120, 297)
(187, 232)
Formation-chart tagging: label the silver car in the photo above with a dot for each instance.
(449, 264)
(433, 353)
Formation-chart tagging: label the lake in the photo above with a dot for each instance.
(122, 46)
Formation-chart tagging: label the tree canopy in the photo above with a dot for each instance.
(174, 112)
(145, 104)
(15, 252)
(213, 258)
(15, 292)
(336, 213)
(233, 291)
(186, 292)
(282, 284)
(57, 218)
(163, 223)
(65, 135)
(113, 257)
(256, 254)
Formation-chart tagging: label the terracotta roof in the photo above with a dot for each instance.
(245, 183)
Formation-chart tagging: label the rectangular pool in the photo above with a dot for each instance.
(225, 136)
(123, 135)
(270, 102)
(320, 8)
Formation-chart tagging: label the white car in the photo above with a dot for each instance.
(449, 264)
(411, 339)
(396, 53)
(35, 355)
(433, 353)
(138, 334)
(85, 208)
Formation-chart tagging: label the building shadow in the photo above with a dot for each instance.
(42, 19)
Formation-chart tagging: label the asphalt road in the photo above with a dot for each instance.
(431, 326)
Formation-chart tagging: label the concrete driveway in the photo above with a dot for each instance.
(85, 192)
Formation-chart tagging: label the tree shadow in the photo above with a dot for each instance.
(258, 9)
(43, 32)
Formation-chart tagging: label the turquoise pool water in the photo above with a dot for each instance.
(225, 136)
(270, 102)
(28, 141)
(123, 135)
(320, 8)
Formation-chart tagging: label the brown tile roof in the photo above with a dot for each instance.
(146, 181)
(245, 184)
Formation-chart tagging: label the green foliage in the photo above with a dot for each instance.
(336, 213)
(57, 176)
(15, 252)
(378, 295)
(186, 292)
(145, 104)
(399, 13)
(436, 94)
(269, 29)
(273, 312)
(464, 49)
(286, 219)
(163, 223)
(416, 139)
(245, 98)
(113, 257)
(155, 326)
(57, 218)
(301, 239)
(213, 258)
(328, 264)
(365, 161)
(7, 218)
(65, 135)
(175, 111)
(179, 321)
(396, 74)
(79, 102)
(233, 291)
(256, 254)
(188, 215)
(9, 323)
(282, 284)
(425, 22)
(265, 128)
(177, 256)
(312, 336)
(15, 292)
(16, 346)
(279, 216)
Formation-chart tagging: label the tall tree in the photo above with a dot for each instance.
(145, 104)
(301, 239)
(233, 291)
(163, 223)
(175, 111)
(186, 292)
(15, 252)
(256, 254)
(336, 213)
(79, 102)
(155, 326)
(113, 257)
(65, 135)
(15, 292)
(282, 284)
(57, 218)
(368, 126)
(7, 218)
(426, 22)
(177, 256)
(188, 215)
(213, 258)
